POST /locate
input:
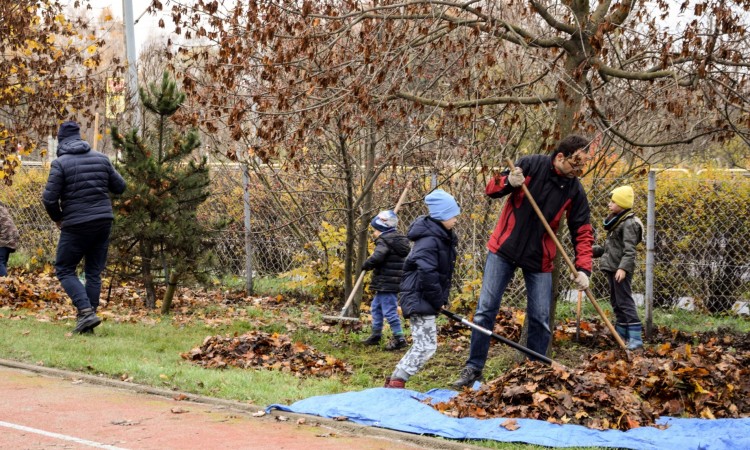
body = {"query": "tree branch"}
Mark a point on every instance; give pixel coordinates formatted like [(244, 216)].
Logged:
[(474, 103), (551, 21)]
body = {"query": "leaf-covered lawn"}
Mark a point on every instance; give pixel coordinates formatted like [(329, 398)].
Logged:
[(703, 374)]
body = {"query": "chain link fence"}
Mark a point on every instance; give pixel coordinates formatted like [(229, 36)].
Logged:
[(700, 249)]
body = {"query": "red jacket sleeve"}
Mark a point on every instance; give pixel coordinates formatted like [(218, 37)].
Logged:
[(581, 231)]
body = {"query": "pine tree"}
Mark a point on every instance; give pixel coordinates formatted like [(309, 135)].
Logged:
[(166, 184)]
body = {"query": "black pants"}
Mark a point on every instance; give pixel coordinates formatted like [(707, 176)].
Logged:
[(621, 298), (89, 242)]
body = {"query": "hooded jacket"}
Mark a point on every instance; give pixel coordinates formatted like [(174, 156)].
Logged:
[(79, 183), (520, 236), (619, 249), (387, 261), (428, 269), (8, 230)]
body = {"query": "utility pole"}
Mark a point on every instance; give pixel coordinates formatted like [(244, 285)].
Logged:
[(127, 12)]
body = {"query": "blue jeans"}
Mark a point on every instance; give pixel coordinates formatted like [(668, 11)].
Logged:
[(82, 243), (385, 304), (498, 273), (4, 256)]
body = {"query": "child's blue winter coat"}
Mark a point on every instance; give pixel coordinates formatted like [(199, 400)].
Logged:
[(428, 268)]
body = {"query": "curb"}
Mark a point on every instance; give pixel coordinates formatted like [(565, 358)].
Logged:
[(421, 441)]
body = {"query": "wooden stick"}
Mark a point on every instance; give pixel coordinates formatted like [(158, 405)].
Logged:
[(402, 197), (569, 263), (352, 294), (578, 316), (96, 130)]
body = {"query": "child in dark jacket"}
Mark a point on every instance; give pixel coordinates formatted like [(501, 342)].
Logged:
[(426, 282), (8, 238), (624, 232), (387, 263)]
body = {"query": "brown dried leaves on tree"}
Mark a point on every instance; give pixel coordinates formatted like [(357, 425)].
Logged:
[(51, 68), (261, 350)]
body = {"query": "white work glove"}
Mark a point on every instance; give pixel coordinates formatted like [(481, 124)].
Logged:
[(515, 177), (581, 280)]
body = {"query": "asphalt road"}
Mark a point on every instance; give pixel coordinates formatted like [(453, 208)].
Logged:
[(45, 408)]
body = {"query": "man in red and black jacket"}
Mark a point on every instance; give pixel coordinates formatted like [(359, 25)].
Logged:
[(520, 240)]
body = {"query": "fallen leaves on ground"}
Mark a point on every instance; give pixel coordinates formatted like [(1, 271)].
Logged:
[(508, 324), (41, 297), (260, 350), (708, 378)]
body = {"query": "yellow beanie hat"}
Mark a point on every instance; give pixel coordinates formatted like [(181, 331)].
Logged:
[(623, 197)]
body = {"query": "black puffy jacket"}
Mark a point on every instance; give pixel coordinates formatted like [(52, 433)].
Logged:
[(387, 261), (428, 269), (79, 183)]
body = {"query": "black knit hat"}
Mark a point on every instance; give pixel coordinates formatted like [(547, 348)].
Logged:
[(68, 130)]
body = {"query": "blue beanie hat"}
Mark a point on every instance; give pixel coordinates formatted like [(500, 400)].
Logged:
[(385, 221), (442, 205), (67, 130)]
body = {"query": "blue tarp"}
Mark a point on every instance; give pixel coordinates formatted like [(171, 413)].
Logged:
[(403, 410)]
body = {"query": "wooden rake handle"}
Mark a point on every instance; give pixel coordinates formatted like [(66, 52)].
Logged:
[(353, 293), (361, 276), (402, 197), (567, 259)]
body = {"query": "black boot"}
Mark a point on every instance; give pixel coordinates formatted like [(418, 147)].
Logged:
[(373, 339), (87, 321), (397, 343), (467, 377)]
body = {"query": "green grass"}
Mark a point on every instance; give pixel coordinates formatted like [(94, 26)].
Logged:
[(261, 285), (19, 259), (150, 354)]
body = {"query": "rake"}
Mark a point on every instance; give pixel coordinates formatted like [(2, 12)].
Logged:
[(567, 259), (342, 317), (506, 341)]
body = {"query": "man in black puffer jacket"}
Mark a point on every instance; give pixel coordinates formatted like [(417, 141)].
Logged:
[(387, 264), (76, 198)]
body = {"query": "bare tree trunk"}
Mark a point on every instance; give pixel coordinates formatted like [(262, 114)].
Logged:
[(571, 96), (166, 303), (366, 203), (147, 255), (349, 245)]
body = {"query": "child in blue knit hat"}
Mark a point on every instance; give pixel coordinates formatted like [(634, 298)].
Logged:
[(387, 263), (426, 282)]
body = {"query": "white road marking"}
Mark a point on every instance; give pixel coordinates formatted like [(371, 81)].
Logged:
[(59, 436)]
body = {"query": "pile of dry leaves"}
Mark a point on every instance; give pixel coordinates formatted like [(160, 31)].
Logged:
[(710, 379), (259, 350), (31, 292), (508, 323)]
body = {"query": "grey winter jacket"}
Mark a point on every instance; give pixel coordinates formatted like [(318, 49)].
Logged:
[(620, 247), (79, 183)]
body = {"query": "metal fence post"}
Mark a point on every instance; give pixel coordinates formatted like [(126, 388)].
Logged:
[(650, 228), (248, 246)]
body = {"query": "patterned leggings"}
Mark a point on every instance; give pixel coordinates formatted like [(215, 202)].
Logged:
[(424, 344)]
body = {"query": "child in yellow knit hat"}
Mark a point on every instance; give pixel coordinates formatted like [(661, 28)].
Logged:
[(624, 232)]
